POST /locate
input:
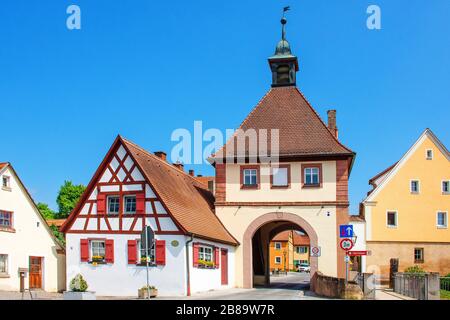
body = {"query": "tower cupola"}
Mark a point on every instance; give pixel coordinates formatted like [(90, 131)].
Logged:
[(283, 64)]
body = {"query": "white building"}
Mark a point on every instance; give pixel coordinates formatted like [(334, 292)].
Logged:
[(26, 242), (132, 188)]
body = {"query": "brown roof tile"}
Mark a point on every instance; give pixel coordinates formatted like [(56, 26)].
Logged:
[(187, 200), (301, 130), (3, 164)]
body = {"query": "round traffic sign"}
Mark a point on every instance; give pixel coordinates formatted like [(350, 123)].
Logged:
[(346, 244)]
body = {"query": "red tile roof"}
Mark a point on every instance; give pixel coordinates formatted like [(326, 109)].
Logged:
[(56, 222), (187, 200), (298, 239), (301, 130), (3, 164)]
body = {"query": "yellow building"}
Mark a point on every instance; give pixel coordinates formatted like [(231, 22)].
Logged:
[(407, 211), (288, 250)]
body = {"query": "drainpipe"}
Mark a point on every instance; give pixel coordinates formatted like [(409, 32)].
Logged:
[(188, 275)]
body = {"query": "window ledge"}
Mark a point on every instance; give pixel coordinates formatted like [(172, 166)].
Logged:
[(244, 187), (5, 229), (4, 275), (280, 187), (311, 186), (392, 227), (445, 193), (7, 189), (442, 227), (144, 265)]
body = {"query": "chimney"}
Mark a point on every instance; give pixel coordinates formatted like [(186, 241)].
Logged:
[(161, 154), (191, 173), (179, 165), (332, 122)]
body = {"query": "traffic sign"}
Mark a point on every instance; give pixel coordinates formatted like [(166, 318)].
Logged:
[(346, 244), (346, 231), (357, 253), (315, 251)]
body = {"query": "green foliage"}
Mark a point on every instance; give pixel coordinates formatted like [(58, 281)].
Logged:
[(206, 263), (78, 284), (415, 269), (59, 235), (68, 196), (445, 295), (149, 287), (46, 212)]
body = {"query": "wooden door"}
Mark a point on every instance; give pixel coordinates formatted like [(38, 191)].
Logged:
[(35, 273), (224, 266)]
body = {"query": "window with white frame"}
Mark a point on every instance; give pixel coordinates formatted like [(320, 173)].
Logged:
[(3, 263), (429, 154), (6, 182), (277, 260), (442, 219), (5, 219), (250, 177), (277, 246), (113, 204), (142, 253), (97, 250), (446, 187), (415, 186), (280, 177), (129, 203), (205, 253), (392, 220), (302, 249), (312, 176)]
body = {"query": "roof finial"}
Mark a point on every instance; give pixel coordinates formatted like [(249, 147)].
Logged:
[(283, 22)]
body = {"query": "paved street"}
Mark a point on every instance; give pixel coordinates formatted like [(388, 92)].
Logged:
[(294, 286)]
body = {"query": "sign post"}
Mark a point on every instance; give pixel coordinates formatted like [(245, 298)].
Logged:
[(346, 245), (147, 237)]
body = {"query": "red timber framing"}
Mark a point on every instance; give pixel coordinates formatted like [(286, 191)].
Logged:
[(115, 181)]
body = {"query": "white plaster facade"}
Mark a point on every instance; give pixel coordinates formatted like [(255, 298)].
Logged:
[(29, 237)]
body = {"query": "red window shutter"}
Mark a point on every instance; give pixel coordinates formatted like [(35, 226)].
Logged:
[(140, 202), (216, 257), (101, 203), (84, 250), (132, 252), (160, 250), (195, 254), (109, 251)]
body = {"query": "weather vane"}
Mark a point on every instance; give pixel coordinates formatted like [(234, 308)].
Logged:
[(283, 22)]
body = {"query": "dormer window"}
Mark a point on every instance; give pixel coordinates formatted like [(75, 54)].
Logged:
[(429, 154)]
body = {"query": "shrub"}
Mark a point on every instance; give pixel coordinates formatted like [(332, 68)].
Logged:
[(415, 269), (150, 287), (78, 284)]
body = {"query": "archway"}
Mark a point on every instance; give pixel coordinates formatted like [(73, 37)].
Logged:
[(267, 226)]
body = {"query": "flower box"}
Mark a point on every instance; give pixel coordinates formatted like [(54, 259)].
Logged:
[(143, 293)]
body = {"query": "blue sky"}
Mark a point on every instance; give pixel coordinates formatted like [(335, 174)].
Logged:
[(145, 68)]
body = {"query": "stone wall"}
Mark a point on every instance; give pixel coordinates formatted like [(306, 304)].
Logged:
[(332, 287)]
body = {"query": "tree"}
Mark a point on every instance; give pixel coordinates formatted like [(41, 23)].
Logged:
[(58, 234), (46, 212), (68, 196)]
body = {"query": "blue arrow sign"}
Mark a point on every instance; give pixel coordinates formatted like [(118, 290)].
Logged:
[(346, 231)]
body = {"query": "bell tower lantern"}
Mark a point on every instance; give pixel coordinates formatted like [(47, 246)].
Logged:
[(283, 64)]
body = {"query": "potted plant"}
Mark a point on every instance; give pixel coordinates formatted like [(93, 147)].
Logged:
[(97, 259), (145, 291), (205, 264), (78, 290)]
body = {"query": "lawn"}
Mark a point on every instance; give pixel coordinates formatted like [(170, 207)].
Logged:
[(445, 295)]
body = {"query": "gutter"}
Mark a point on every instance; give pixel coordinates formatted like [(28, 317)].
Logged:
[(188, 275)]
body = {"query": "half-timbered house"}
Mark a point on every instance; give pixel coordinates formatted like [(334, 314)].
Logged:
[(133, 188)]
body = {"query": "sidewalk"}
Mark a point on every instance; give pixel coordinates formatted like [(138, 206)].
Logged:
[(388, 294)]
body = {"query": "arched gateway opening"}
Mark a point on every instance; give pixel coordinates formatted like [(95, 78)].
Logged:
[(256, 245)]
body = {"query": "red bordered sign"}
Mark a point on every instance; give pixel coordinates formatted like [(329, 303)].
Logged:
[(346, 244)]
